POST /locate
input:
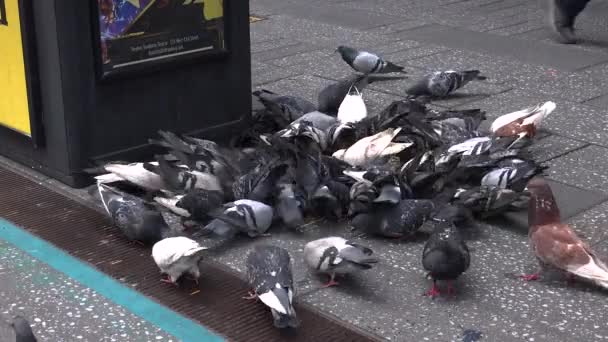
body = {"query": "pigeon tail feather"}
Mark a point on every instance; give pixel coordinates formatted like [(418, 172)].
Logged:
[(391, 67)]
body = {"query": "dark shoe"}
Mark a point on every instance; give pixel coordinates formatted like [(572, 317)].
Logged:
[(566, 35), (562, 21)]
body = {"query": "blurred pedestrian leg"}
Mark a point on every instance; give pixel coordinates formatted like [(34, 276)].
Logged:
[(563, 14)]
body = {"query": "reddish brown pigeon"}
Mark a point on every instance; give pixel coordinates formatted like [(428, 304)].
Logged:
[(556, 244)]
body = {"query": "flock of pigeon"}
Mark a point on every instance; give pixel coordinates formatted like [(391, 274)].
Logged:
[(387, 175)]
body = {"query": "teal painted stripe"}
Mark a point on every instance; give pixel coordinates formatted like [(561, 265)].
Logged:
[(173, 323)]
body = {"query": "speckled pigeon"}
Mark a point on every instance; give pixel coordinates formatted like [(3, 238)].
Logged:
[(445, 256), (269, 274), (443, 83), (136, 220), (367, 62)]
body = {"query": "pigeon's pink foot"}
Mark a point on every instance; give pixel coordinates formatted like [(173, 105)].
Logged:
[(434, 291), (530, 277), (251, 295), (330, 283), (168, 281)]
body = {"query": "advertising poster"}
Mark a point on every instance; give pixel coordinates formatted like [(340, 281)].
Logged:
[(14, 106), (135, 33)]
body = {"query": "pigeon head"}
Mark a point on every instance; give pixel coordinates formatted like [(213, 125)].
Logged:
[(347, 53), (542, 208)]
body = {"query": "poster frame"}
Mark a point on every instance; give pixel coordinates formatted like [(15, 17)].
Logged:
[(155, 66)]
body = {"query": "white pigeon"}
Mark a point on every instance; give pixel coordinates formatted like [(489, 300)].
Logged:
[(352, 109), (133, 173), (522, 122), (177, 255), (369, 148), (335, 255)]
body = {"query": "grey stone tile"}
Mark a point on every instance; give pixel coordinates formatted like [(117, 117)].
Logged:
[(270, 45), (399, 27), (553, 146), (498, 6), (497, 69), (591, 227), (306, 86), (473, 91), (377, 101), (386, 48), (491, 25), (284, 51), (323, 63), (414, 53), (264, 73), (340, 16), (559, 57), (317, 33), (570, 199), (573, 120), (599, 102), (526, 26), (575, 87), (586, 168)]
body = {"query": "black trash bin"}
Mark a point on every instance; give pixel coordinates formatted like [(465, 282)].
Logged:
[(97, 78)]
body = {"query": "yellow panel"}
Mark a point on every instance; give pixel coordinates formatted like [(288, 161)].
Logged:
[(14, 108), (213, 9)]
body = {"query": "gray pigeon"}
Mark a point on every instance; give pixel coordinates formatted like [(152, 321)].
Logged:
[(269, 274), (397, 221), (247, 216), (367, 62), (135, 219), (445, 256), (290, 204), (335, 255), (318, 120), (289, 107), (19, 330), (443, 83)]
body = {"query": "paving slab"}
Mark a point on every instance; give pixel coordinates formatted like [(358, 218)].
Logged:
[(270, 45), (553, 146), (573, 120), (340, 16), (284, 51), (262, 73), (560, 57), (586, 168), (591, 226), (306, 86), (571, 200), (314, 32), (574, 87)]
